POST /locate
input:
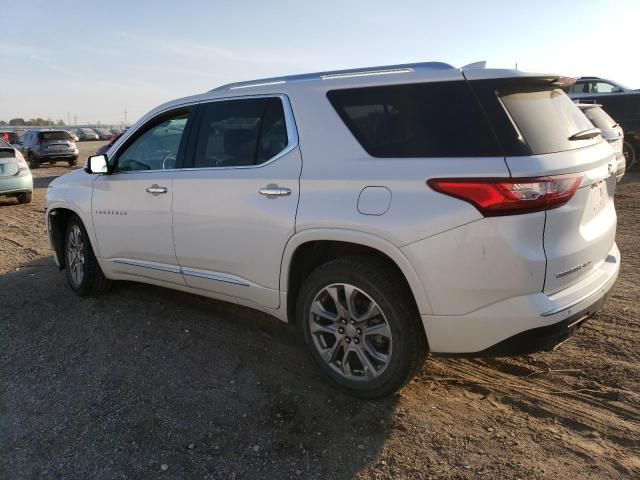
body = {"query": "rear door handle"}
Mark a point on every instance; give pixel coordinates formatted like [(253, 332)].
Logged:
[(274, 191), (156, 190)]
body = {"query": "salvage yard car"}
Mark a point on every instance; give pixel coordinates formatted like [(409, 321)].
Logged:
[(387, 212), (15, 176), (48, 145), (610, 130), (622, 103)]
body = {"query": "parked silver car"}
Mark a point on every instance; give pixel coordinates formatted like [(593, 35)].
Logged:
[(15, 176), (610, 130)]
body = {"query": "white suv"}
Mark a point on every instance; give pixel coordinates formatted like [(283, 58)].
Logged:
[(387, 212)]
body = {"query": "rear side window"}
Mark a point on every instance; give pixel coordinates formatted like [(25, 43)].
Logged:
[(440, 119), (240, 133), (46, 136), (547, 118)]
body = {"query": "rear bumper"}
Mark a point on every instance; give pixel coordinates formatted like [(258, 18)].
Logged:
[(523, 324), (16, 184)]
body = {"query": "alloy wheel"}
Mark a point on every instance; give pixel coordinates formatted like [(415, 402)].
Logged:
[(75, 255), (350, 332)]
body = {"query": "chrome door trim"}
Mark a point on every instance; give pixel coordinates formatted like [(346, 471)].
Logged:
[(153, 266), (218, 277)]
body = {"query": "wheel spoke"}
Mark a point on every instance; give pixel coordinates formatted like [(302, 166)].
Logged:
[(349, 295), (381, 329), (333, 293), (376, 354), (318, 309), (369, 368)]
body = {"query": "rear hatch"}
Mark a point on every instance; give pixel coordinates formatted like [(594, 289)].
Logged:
[(8, 161), (545, 134), (58, 141)]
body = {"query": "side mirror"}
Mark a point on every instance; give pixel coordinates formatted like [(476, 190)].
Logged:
[(97, 164)]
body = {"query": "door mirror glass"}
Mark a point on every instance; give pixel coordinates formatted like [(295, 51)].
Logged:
[(97, 164)]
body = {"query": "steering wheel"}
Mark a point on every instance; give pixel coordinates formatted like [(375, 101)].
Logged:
[(169, 161)]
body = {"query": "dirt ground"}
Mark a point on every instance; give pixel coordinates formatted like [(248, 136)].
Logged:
[(149, 383)]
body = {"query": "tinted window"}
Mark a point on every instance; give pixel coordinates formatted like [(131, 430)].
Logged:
[(439, 119), (46, 136), (594, 86), (157, 148), (241, 133), (547, 118)]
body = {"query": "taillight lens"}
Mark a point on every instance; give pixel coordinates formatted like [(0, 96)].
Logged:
[(510, 196), (22, 164)]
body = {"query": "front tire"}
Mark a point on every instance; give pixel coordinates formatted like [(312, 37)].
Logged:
[(72, 162), (84, 274), (361, 325)]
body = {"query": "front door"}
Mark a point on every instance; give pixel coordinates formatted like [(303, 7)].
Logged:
[(234, 209), (132, 206)]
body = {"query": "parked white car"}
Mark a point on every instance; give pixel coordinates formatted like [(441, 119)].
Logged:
[(610, 131), (387, 212)]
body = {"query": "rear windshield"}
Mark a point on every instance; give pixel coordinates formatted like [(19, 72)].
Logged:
[(599, 118), (547, 118), (440, 119), (54, 136)]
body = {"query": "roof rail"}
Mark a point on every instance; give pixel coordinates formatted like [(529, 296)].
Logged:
[(328, 75), (480, 64)]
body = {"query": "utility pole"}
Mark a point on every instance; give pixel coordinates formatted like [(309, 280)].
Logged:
[(75, 119), (125, 116), (68, 119)]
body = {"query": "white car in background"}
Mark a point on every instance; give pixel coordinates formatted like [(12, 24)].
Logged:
[(610, 130), (387, 212)]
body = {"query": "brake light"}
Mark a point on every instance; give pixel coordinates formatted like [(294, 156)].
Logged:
[(22, 164), (510, 196)]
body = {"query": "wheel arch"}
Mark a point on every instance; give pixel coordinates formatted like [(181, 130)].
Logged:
[(310, 248), (58, 216)]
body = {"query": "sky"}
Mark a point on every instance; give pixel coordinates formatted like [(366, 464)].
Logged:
[(93, 59)]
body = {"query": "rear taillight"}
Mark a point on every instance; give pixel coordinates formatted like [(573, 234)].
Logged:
[(510, 196), (22, 164)]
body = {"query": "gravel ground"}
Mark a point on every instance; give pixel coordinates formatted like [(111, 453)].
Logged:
[(150, 383)]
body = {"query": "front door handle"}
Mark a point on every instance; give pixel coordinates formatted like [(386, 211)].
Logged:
[(273, 191), (156, 190)]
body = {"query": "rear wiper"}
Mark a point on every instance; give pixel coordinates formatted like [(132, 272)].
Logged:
[(585, 134)]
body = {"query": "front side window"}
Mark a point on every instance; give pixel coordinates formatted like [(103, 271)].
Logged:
[(240, 133), (439, 119), (157, 148)]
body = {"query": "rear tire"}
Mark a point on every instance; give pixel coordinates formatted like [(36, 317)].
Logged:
[(24, 197), (629, 155), (33, 161), (84, 274), (370, 358)]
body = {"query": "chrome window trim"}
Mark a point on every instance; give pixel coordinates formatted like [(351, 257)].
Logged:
[(292, 133)]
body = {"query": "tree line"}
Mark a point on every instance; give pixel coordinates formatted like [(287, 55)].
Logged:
[(34, 122)]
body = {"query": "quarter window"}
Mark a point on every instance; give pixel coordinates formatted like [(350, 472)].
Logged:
[(157, 148), (243, 132), (439, 119)]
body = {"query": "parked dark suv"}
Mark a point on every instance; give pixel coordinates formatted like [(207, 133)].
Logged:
[(51, 146)]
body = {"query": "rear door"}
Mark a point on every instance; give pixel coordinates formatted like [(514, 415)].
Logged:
[(234, 209), (552, 137)]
